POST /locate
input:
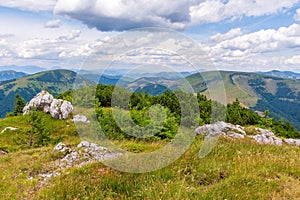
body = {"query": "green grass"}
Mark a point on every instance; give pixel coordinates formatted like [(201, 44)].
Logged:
[(235, 169)]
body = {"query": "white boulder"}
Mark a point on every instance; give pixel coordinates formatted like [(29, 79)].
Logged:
[(44, 101)]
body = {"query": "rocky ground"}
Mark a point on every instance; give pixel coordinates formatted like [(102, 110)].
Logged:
[(261, 136)]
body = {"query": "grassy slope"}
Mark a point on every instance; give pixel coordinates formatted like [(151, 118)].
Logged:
[(235, 169)]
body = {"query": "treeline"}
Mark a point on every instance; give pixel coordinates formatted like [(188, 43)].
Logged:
[(181, 108)]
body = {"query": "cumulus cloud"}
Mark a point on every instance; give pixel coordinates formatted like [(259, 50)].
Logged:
[(263, 40), (295, 60), (226, 36), (48, 48), (33, 5), (122, 15), (297, 15), (53, 24), (217, 10), (261, 49)]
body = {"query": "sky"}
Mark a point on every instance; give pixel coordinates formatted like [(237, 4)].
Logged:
[(239, 35)]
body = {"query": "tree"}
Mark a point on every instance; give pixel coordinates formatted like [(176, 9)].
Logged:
[(19, 105), (38, 135)]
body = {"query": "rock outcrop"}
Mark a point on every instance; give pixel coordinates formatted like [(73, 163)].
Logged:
[(263, 136), (221, 128), (293, 142), (85, 153), (80, 118), (9, 128), (44, 101)]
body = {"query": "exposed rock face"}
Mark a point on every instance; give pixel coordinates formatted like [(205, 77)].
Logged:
[(85, 153), (61, 147), (293, 142), (44, 101), (80, 118), (236, 131), (221, 128), (41, 101), (60, 109), (267, 139), (2, 152), (9, 128)]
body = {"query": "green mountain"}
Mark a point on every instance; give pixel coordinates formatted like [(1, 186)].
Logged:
[(10, 74), (258, 92), (55, 82), (282, 74)]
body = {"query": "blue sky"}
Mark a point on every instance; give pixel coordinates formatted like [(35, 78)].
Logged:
[(237, 35)]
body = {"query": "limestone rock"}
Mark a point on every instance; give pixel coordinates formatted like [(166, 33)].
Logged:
[(61, 147), (8, 128), (220, 128), (60, 109), (267, 139), (295, 142), (44, 101), (235, 135), (80, 118), (41, 101), (2, 152)]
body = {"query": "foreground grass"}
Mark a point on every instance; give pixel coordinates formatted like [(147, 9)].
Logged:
[(236, 169)]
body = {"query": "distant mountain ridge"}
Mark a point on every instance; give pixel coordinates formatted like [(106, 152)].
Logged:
[(282, 74), (28, 69), (55, 82), (10, 74)]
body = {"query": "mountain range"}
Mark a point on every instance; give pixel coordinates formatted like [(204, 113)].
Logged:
[(10, 74), (55, 82), (282, 74), (257, 91)]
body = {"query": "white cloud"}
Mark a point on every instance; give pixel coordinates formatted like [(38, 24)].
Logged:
[(226, 36), (33, 5), (295, 60), (263, 40), (255, 51), (217, 10), (297, 15), (120, 15), (53, 24)]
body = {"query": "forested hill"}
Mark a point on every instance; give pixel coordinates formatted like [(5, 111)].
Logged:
[(56, 81), (258, 92)]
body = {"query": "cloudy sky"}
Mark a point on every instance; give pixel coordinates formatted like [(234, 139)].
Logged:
[(244, 35)]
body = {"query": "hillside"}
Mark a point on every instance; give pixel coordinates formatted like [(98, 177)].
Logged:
[(10, 74), (258, 92), (56, 82), (282, 74)]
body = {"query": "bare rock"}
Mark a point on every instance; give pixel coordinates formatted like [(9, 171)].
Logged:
[(9, 129), (295, 142), (267, 139), (41, 101), (61, 147), (80, 118), (221, 128), (60, 109), (44, 101), (235, 135), (3, 152), (264, 132)]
